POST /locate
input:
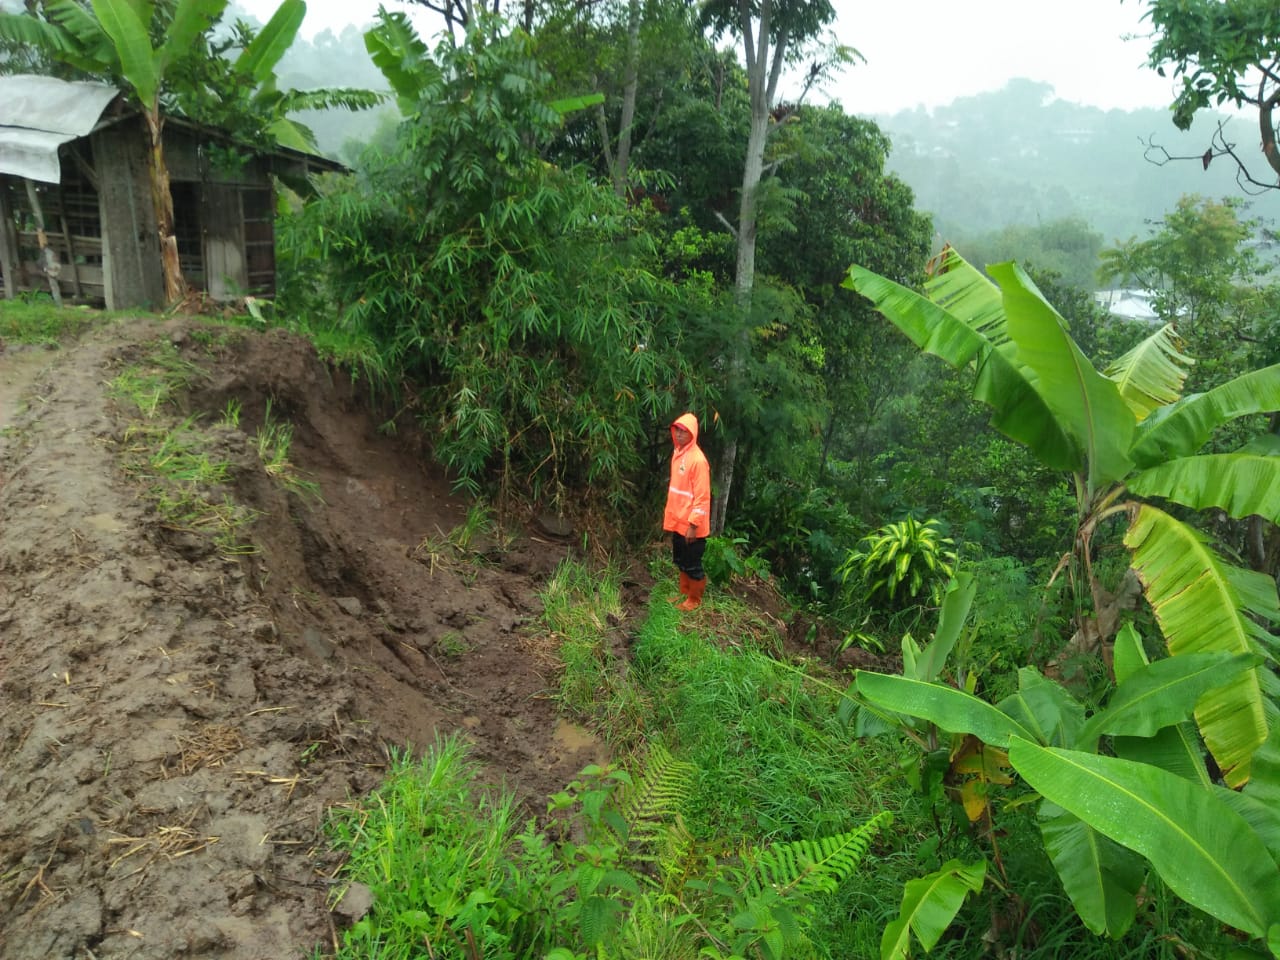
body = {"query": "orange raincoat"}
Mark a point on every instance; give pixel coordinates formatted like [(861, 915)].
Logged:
[(689, 493)]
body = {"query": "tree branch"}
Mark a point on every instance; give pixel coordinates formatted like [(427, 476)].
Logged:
[(1219, 146), (727, 225)]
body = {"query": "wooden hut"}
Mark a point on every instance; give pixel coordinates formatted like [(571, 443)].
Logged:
[(76, 217)]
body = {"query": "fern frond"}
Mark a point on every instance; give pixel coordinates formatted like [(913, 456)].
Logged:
[(654, 801), (804, 867)]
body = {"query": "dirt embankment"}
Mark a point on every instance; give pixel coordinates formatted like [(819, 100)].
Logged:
[(175, 723)]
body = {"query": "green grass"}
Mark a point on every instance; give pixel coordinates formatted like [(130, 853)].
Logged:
[(273, 440), (451, 874), (186, 485), (37, 320), (765, 757), (578, 605), (152, 382)]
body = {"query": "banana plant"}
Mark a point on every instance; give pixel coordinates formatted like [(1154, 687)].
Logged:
[(1125, 434), (1106, 820), (112, 38)]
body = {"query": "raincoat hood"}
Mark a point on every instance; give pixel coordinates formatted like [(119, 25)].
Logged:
[(689, 422)]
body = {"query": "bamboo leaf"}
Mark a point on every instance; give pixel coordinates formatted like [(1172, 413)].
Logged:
[(1199, 611), (1087, 404), (1204, 851)]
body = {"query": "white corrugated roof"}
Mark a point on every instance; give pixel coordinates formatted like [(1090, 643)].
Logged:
[(38, 115)]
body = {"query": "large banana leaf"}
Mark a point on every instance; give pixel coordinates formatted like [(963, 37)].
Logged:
[(1084, 402), (1205, 852), (1264, 785), (1101, 877), (1151, 375), (396, 50), (48, 36), (1176, 749), (1183, 428), (964, 292), (1165, 693), (138, 61), (1046, 708), (1127, 653), (1262, 817), (1239, 483), (953, 710), (955, 610), (259, 58), (929, 904), (290, 133), (191, 18), (1198, 608), (1018, 410)]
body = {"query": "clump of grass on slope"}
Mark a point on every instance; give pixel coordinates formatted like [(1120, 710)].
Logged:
[(776, 762), (578, 606), (37, 320), (447, 866)]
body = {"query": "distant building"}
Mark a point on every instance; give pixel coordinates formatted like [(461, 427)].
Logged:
[(73, 157), (1128, 304)]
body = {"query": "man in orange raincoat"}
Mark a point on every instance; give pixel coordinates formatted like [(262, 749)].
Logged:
[(688, 514)]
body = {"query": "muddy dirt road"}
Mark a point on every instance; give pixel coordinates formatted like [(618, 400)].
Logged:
[(175, 720)]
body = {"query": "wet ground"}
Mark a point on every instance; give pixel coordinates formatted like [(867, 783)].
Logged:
[(175, 720)]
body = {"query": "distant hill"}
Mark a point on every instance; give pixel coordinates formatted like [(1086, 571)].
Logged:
[(1022, 156)]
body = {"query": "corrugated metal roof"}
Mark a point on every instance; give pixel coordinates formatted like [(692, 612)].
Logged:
[(38, 115)]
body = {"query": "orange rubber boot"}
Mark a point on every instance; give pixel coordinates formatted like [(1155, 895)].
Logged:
[(684, 588), (696, 588)]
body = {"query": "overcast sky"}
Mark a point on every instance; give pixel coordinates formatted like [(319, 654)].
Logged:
[(931, 51)]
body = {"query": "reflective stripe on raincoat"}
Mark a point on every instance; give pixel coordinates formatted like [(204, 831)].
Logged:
[(689, 493)]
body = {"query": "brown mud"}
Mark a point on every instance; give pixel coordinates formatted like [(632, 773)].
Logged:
[(175, 723)]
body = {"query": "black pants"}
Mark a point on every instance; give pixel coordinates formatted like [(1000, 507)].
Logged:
[(687, 555)]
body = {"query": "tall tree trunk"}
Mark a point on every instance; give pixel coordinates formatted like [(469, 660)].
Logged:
[(175, 288), (618, 162), (762, 81), (622, 161)]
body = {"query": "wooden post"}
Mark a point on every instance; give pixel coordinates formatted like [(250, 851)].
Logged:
[(51, 266), (68, 244), (8, 244)]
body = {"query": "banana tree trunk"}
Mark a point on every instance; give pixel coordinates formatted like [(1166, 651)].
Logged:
[(175, 287)]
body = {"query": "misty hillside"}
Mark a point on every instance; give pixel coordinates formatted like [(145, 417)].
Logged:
[(1020, 156)]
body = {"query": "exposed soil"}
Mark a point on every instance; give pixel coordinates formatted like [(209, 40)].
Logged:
[(175, 723)]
